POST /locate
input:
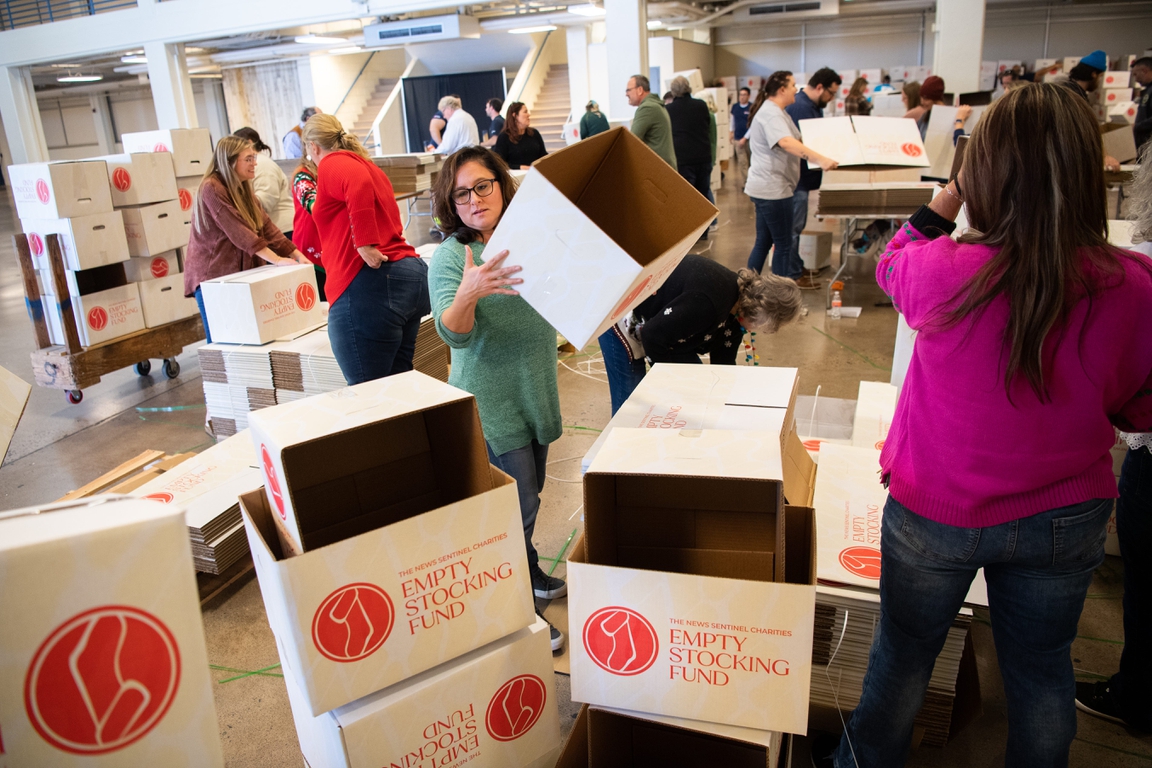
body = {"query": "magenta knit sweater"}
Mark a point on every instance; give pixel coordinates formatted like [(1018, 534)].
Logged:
[(958, 451)]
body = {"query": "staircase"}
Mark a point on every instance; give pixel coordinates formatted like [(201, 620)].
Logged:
[(552, 106), (362, 127)]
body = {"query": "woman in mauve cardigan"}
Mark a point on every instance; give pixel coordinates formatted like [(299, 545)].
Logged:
[(376, 284), (1034, 341)]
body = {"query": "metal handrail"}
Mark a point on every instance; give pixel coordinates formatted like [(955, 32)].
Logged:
[(358, 76), (28, 13)]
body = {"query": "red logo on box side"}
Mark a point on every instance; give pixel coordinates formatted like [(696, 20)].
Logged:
[(159, 267), (911, 150), (879, 445), (185, 199), (305, 296), (42, 191), (163, 497), (862, 561), (97, 318), (121, 179), (102, 680), (35, 244), (516, 707), (160, 147), (353, 622), (632, 297), (273, 481), (620, 641)]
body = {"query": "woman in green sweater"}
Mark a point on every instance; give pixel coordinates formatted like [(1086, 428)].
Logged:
[(503, 352)]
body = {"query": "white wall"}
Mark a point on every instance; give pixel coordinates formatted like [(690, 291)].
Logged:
[(1072, 32), (491, 50), (265, 97)]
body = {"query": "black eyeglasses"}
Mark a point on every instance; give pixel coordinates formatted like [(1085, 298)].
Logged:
[(482, 188)]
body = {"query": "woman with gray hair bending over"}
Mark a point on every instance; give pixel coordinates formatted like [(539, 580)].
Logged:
[(703, 308)]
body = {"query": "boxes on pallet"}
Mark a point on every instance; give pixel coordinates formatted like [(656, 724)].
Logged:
[(1111, 80), (381, 504), (693, 591), (259, 305), (153, 229), (137, 269), (163, 300), (1114, 96), (585, 266), (141, 178), (494, 707), (816, 249), (866, 140), (191, 148), (187, 187), (107, 662), (60, 190), (85, 241), (104, 305)]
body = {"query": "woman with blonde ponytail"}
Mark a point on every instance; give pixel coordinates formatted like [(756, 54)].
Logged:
[(231, 232), (375, 312)]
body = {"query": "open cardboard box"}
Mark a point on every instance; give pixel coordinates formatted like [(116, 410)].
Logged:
[(680, 592), (866, 142), (597, 227)]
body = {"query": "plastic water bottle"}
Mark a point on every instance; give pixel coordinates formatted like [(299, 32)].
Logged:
[(837, 302)]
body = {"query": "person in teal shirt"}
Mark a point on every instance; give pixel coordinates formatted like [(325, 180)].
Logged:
[(593, 121)]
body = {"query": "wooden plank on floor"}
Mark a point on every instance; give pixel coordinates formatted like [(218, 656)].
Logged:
[(116, 475), (210, 585)]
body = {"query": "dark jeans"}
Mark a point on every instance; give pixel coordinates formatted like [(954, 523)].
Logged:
[(799, 220), (774, 228), (528, 466), (624, 373), (1134, 528), (699, 175), (373, 324), (203, 314), (1038, 570)]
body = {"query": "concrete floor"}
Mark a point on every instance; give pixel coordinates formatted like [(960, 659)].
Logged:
[(58, 447)]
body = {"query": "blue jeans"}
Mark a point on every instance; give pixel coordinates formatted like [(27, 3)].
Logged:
[(624, 373), (799, 221), (774, 228), (203, 314), (1038, 570), (528, 466), (1134, 527), (373, 324), (699, 175)]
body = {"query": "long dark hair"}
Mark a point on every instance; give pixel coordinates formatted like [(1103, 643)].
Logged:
[(1034, 190), (512, 122), (252, 136), (448, 218), (770, 88)]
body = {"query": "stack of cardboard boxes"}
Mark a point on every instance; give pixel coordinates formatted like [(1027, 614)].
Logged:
[(410, 173), (391, 559)]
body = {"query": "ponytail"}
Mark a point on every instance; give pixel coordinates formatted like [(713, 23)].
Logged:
[(327, 132)]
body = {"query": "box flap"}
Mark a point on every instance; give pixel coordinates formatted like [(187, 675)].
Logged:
[(799, 471), (873, 141), (746, 454), (763, 387)]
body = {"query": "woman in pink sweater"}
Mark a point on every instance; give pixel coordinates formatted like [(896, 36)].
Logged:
[(1034, 341)]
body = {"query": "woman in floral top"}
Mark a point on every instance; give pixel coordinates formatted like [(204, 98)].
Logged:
[(304, 233)]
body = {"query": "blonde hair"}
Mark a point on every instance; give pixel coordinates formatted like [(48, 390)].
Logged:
[(326, 132), (766, 301), (223, 167)]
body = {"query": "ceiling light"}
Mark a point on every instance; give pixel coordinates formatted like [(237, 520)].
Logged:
[(134, 59), (344, 50), (320, 40), (655, 24), (530, 30), (79, 78), (587, 10)]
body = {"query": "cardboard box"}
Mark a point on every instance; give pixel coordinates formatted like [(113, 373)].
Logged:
[(866, 141), (138, 270), (1042, 64), (1069, 62), (141, 178), (153, 229), (681, 599), (1114, 96), (1119, 141), (1003, 66), (191, 148), (1124, 112), (875, 410), (585, 264), (1110, 80), (261, 305), (164, 302), (85, 241), (873, 76), (731, 83), (100, 316), (106, 664), (60, 190), (751, 82), (816, 249), (495, 706), (85, 281), (695, 79), (187, 187)]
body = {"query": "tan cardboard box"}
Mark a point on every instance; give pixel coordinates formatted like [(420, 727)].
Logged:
[(261, 305), (187, 187), (1111, 80), (137, 269), (191, 148), (682, 601), (494, 707), (584, 264), (100, 316), (141, 178), (85, 241), (866, 141), (1114, 96), (1124, 112), (875, 409), (153, 229), (1119, 141), (106, 664), (60, 190), (163, 300)]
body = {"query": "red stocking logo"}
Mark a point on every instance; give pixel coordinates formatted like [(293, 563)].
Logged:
[(160, 147), (159, 267), (35, 244), (185, 199), (97, 318), (516, 707), (632, 296), (272, 481), (102, 680), (163, 497), (42, 191), (121, 179), (305, 296), (620, 641), (911, 150), (353, 622), (862, 561)]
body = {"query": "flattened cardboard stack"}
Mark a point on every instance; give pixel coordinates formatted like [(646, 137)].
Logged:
[(237, 381), (412, 172), (896, 199), (305, 366), (431, 356)]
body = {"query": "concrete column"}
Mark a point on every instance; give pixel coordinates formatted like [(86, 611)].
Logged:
[(21, 115), (578, 68), (959, 48), (627, 23), (171, 86)]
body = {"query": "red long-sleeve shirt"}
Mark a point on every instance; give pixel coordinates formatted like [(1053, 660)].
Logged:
[(355, 206)]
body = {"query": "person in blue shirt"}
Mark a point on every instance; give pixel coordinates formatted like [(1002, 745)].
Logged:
[(810, 103), (739, 128)]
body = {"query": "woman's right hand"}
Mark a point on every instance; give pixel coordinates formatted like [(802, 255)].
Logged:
[(491, 277), (827, 163)]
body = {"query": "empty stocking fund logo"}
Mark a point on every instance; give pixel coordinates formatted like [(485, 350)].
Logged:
[(185, 199), (515, 708), (160, 147), (35, 244), (121, 179), (862, 561), (305, 296), (159, 267), (911, 150), (42, 191), (620, 641), (163, 497), (97, 318), (273, 481), (102, 680), (353, 622)]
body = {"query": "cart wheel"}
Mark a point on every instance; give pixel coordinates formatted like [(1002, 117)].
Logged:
[(143, 368), (171, 368), (74, 396)]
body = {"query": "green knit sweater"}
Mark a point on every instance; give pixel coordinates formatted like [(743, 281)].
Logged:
[(507, 360), (652, 125)]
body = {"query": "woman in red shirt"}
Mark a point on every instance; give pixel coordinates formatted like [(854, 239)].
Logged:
[(376, 284), (304, 233)]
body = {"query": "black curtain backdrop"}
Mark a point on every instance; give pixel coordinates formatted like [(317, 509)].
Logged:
[(423, 94)]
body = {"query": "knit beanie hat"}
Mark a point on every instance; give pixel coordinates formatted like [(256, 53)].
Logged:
[(932, 89), (1098, 60)]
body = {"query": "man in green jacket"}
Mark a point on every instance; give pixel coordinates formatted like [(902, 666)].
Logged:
[(650, 123)]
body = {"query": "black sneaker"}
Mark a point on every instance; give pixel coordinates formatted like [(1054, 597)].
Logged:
[(821, 748), (547, 587), (556, 636), (1097, 700)]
